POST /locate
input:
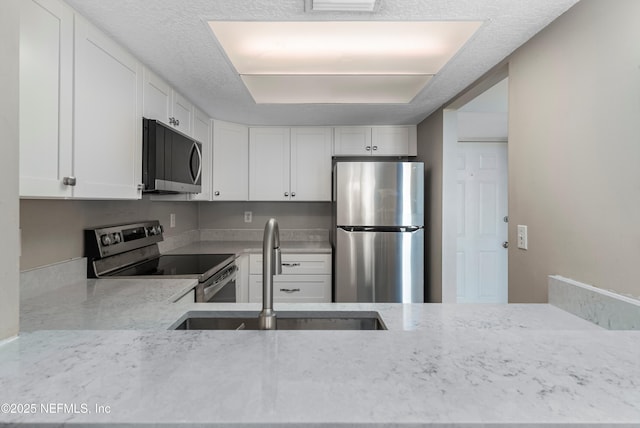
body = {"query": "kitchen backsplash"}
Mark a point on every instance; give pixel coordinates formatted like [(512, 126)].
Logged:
[(52, 230)]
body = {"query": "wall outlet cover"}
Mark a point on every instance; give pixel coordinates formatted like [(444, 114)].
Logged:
[(248, 216), (523, 239)]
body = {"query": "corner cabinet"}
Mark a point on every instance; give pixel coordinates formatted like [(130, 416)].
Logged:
[(305, 278), (290, 164), (230, 172), (375, 141), (107, 117)]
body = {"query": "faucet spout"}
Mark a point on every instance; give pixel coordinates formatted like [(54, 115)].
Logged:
[(271, 265)]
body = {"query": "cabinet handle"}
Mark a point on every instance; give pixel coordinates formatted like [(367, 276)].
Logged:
[(286, 194), (69, 181), (291, 264), (289, 290), (177, 122), (140, 186), (375, 148), (368, 148), (216, 193), (172, 121), (293, 194)]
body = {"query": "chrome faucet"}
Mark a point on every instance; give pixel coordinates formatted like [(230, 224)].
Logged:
[(271, 265)]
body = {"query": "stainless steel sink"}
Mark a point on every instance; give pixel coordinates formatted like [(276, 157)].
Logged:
[(286, 320)]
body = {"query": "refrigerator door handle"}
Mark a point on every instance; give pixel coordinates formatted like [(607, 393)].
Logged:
[(380, 228)]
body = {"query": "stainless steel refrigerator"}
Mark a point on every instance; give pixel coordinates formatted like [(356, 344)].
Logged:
[(379, 236)]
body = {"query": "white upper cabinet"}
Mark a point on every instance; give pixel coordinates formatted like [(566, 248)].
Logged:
[(352, 141), (107, 117), (156, 97), (269, 164), (394, 140), (46, 98), (163, 103), (375, 141), (230, 162), (202, 125), (311, 164), (183, 114), (290, 164)]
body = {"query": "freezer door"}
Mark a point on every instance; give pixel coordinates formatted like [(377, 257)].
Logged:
[(379, 266), (379, 193)]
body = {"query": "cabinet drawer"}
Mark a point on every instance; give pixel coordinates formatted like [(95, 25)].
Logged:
[(295, 264), (293, 288)]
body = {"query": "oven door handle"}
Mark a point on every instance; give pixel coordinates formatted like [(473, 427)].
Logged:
[(211, 290)]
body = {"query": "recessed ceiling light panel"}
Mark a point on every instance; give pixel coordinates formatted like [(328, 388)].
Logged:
[(334, 89), (340, 48)]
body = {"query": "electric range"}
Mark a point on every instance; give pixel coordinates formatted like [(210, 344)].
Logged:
[(131, 251)]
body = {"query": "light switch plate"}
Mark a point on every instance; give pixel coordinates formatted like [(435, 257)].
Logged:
[(172, 220), (248, 216), (523, 240)]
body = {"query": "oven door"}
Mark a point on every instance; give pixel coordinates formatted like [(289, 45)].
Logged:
[(219, 288)]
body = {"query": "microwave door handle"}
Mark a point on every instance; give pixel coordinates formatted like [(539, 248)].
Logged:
[(195, 149)]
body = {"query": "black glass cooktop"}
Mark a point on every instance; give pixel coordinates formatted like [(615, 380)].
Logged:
[(179, 264)]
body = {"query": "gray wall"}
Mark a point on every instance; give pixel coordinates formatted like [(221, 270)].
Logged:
[(430, 143), (574, 124), (52, 230), (9, 79), (290, 215), (574, 151)]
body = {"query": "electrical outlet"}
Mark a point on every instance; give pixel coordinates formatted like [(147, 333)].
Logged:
[(172, 220), (248, 216), (523, 239)]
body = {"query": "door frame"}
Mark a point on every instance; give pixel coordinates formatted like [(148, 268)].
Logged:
[(449, 201)]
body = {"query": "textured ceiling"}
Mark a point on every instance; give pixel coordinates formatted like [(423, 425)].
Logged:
[(172, 38)]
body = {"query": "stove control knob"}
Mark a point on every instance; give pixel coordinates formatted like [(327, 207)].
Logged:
[(106, 240), (116, 238)]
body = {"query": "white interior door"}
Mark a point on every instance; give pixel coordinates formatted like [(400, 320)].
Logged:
[(481, 170)]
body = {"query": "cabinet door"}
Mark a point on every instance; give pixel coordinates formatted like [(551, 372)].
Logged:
[(392, 140), (108, 117), (269, 164), (183, 113), (156, 95), (311, 164), (202, 134), (352, 141), (230, 162), (46, 98)]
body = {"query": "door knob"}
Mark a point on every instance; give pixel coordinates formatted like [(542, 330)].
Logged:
[(505, 244)]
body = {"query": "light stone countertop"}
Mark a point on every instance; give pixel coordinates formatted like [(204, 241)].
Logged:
[(106, 343)]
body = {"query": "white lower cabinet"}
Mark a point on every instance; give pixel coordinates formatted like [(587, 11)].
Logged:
[(305, 278)]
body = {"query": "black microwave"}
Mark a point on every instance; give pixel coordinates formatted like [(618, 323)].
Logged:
[(171, 161)]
